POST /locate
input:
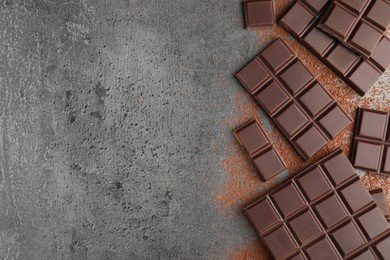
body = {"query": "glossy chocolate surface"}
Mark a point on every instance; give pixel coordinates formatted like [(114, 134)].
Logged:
[(257, 145), (302, 109), (259, 13), (316, 215), (360, 25), (371, 144), (360, 73)]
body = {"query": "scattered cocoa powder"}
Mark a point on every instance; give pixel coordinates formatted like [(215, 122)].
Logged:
[(243, 185)]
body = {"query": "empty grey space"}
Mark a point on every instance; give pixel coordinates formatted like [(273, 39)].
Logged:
[(110, 136)]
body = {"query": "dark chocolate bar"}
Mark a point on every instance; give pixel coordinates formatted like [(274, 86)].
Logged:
[(302, 109), (325, 212), (258, 147), (360, 74), (259, 14), (360, 25), (371, 145), (379, 197)]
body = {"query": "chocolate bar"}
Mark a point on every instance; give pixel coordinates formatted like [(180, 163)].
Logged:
[(258, 147), (371, 145), (324, 212), (259, 14), (360, 74), (379, 197), (360, 25), (302, 109)]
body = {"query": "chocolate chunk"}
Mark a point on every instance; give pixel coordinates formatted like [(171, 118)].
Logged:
[(317, 216), (259, 14), (303, 110), (379, 197), (371, 144), (360, 25), (360, 72), (259, 148)]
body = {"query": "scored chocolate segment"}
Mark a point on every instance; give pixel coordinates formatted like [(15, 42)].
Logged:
[(257, 145), (331, 211), (302, 109), (314, 183), (355, 196), (264, 216), (301, 21), (347, 238), (333, 122), (259, 14), (370, 149), (314, 99), (378, 58), (372, 223), (298, 257), (379, 198), (368, 255), (359, 24), (280, 242), (383, 248), (316, 215), (253, 75), (322, 250), (276, 55), (305, 226)]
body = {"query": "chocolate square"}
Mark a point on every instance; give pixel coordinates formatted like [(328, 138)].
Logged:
[(253, 76), (294, 203), (291, 119), (347, 238), (314, 184), (259, 14), (280, 242)]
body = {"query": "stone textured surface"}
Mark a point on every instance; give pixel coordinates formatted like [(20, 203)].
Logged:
[(113, 128), (108, 132)]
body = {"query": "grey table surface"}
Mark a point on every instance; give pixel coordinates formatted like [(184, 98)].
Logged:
[(106, 130), (110, 127)]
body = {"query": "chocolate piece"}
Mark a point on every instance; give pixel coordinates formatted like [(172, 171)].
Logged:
[(379, 197), (257, 145), (259, 14), (360, 25), (303, 110), (371, 144), (317, 215), (360, 74)]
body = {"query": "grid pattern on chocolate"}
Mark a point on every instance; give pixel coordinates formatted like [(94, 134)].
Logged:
[(360, 25), (318, 216), (371, 144), (258, 147), (259, 14), (301, 21), (302, 109)]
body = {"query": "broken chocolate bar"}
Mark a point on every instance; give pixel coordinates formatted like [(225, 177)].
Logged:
[(257, 145), (302, 109), (360, 25), (325, 212), (360, 74), (371, 145)]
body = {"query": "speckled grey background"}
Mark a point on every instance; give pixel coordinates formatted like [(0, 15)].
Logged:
[(111, 142), (109, 146)]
